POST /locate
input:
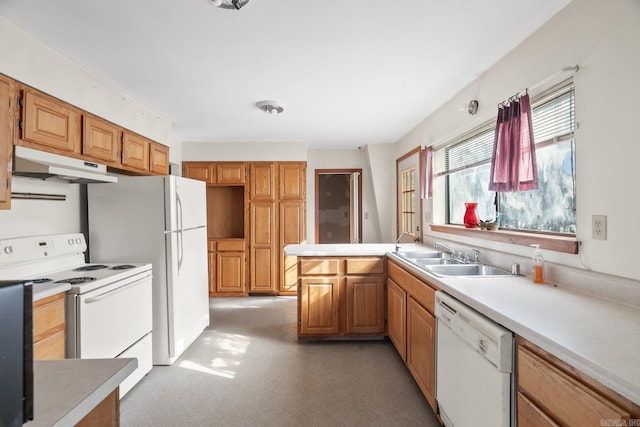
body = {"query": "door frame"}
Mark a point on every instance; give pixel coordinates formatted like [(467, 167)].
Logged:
[(415, 151), (317, 197)]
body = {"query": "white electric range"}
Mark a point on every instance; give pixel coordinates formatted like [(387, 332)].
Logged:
[(109, 306)]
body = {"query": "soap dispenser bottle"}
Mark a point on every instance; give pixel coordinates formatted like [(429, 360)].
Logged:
[(538, 265)]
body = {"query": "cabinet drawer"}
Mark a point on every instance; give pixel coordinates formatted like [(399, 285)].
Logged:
[(422, 292), (230, 245), (48, 316), (52, 347), (365, 265), (560, 396), (310, 266), (529, 415)]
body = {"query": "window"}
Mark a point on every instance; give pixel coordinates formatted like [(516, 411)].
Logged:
[(550, 208), (407, 201)]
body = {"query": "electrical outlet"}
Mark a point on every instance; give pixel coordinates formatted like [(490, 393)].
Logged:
[(599, 227)]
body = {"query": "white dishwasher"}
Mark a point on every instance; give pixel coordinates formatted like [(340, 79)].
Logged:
[(474, 367)]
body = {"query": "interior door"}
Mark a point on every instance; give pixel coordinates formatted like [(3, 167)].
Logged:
[(409, 206), (338, 217)]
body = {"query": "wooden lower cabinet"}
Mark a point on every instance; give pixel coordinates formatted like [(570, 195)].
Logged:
[(552, 393), (421, 348), (397, 317), (49, 327), (341, 296), (319, 306), (411, 326), (227, 266), (365, 304)]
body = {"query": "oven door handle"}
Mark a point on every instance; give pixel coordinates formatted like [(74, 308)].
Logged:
[(116, 291)]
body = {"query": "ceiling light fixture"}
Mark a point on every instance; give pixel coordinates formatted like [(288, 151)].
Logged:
[(228, 4), (270, 107)]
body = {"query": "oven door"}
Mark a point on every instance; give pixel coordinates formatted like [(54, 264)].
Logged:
[(110, 319)]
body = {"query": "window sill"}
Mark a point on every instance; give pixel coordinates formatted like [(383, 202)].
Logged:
[(550, 242)]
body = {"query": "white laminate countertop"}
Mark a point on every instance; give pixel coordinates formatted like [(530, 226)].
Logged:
[(44, 290), (342, 249), (596, 336), (66, 390)]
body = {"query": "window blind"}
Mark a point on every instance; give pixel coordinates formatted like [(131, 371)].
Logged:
[(553, 121)]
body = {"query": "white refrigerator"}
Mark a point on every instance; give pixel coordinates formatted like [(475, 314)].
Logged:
[(160, 220)]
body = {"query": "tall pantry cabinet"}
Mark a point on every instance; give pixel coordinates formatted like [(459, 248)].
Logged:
[(274, 212)]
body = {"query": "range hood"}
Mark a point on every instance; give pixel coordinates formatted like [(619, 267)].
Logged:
[(41, 164)]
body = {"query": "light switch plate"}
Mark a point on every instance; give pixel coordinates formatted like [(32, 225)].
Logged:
[(599, 227)]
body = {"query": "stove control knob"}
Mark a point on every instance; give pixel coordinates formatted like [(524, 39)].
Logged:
[(8, 250), (70, 242), (78, 240)]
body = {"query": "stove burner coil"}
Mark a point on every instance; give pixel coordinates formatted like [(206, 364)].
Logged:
[(76, 280), (122, 267), (90, 267), (42, 280)]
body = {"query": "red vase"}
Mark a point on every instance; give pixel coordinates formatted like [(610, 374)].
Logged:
[(470, 215)]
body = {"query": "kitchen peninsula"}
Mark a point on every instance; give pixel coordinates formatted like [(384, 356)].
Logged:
[(563, 338)]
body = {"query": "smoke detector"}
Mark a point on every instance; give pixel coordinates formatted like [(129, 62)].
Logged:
[(228, 4), (270, 107)]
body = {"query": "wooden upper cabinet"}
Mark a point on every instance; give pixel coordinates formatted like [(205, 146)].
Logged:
[(262, 181), (159, 158), (135, 151), (293, 180), (230, 173), (203, 171), (100, 139), (50, 122), (6, 140)]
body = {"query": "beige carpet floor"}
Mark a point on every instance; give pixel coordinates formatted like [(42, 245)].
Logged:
[(248, 369)]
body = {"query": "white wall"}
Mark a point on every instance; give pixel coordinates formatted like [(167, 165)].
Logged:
[(602, 38), (38, 217), (29, 61), (244, 151)]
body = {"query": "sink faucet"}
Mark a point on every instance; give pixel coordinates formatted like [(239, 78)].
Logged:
[(445, 247), (398, 240), (476, 256)]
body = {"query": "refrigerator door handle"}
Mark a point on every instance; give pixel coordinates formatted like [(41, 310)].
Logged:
[(179, 211), (180, 229)]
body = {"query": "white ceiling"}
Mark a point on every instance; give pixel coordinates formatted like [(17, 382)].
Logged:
[(347, 72)]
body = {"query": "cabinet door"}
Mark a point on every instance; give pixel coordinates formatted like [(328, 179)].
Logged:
[(262, 181), (397, 317), (319, 305), (293, 180), (100, 139), (135, 151), (6, 140), (421, 360), (159, 158), (50, 122), (230, 272), (292, 231), (264, 258), (203, 171), (213, 277), (230, 173), (365, 304)]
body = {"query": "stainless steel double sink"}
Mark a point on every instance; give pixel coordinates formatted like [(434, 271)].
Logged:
[(439, 264)]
